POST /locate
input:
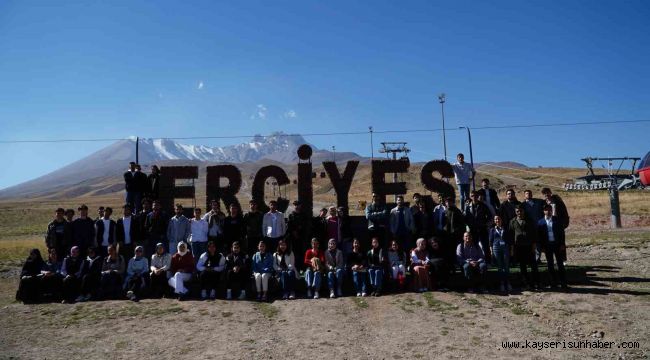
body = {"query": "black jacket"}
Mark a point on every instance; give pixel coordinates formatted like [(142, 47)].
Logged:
[(99, 232), (134, 230), (494, 198), (83, 233)]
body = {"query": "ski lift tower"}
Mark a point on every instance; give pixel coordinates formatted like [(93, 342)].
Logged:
[(614, 175), (395, 148)]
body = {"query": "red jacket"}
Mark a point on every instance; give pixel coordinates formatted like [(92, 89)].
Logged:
[(312, 254), (182, 263)]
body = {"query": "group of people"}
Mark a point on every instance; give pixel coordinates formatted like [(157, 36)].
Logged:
[(413, 247)]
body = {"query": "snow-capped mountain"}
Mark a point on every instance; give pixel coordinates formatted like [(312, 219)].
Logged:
[(278, 146), (107, 165)]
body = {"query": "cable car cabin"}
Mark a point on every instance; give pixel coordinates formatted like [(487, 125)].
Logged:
[(644, 170)]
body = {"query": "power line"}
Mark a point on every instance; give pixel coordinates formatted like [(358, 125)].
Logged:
[(495, 127)]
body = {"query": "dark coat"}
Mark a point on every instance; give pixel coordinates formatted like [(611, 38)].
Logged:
[(494, 198), (153, 186), (83, 233), (134, 230), (558, 232), (477, 217), (524, 234), (99, 232)]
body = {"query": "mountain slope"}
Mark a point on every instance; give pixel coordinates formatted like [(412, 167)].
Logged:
[(91, 172)]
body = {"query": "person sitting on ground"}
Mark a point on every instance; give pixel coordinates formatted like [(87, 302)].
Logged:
[(71, 271), (210, 266), (51, 278), (137, 275), (376, 263), (182, 268), (398, 261), (314, 263), (262, 269), (357, 263), (159, 271), (237, 274), (438, 266), (500, 245), (420, 265), (112, 276), (91, 275), (28, 289), (335, 269), (284, 264), (472, 259)]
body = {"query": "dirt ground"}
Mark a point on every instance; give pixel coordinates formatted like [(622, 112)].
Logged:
[(609, 300)]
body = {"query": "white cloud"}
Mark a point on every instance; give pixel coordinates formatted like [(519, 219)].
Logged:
[(200, 86), (260, 112), (290, 114)]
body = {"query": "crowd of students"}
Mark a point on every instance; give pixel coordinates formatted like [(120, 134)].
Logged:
[(416, 248)]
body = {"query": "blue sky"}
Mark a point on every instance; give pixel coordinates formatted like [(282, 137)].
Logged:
[(111, 69)]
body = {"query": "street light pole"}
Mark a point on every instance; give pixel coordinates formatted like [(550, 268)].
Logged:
[(471, 155), (441, 98), (334, 153), (372, 147)]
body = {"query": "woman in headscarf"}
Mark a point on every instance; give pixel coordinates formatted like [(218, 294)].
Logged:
[(161, 262), (420, 265), (210, 266), (92, 273), (71, 272), (182, 267), (112, 274), (51, 278), (137, 275), (29, 278)]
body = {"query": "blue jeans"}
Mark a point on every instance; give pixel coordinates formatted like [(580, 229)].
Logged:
[(474, 274), (198, 248), (359, 280), (287, 280), (376, 276), (463, 189), (313, 279), (501, 256), (335, 280)]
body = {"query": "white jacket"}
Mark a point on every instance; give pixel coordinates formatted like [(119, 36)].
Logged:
[(289, 259), (273, 229)]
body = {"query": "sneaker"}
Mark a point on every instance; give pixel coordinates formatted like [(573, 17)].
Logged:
[(263, 298), (316, 296), (471, 290), (502, 288), (229, 294), (509, 287), (292, 296), (204, 294), (308, 293), (242, 295), (285, 297), (332, 296), (259, 297), (372, 293), (364, 294), (339, 293), (213, 294), (358, 294), (378, 293), (80, 298)]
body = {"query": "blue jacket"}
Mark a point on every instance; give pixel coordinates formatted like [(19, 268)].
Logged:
[(262, 265), (494, 237), (558, 231)]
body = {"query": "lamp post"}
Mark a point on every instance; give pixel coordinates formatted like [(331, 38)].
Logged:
[(372, 148), (471, 155), (441, 98)]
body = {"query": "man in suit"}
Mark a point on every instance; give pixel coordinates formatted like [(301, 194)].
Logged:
[(83, 231), (131, 186), (490, 197), (401, 224), (559, 210), (550, 232), (477, 217), (126, 233), (377, 215), (507, 210), (105, 232), (534, 212), (523, 233), (153, 183), (454, 229)]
